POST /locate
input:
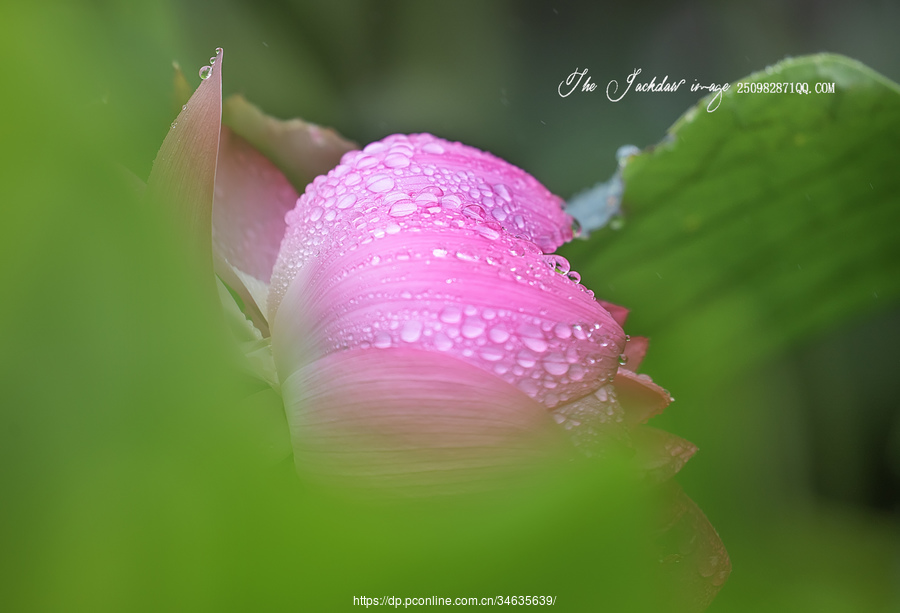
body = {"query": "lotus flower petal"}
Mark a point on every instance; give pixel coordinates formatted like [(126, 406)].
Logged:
[(251, 199), (400, 417), (661, 453), (414, 183), (694, 559), (375, 258), (619, 313), (299, 149), (184, 171), (639, 396), (635, 350)]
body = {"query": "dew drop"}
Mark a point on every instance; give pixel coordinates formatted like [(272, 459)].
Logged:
[(492, 354), (396, 160), (472, 328), (562, 331), (382, 340), (442, 342), (433, 148), (451, 202), (535, 344), (402, 208), (346, 201), (555, 364), (451, 315), (205, 72), (623, 359), (525, 359), (576, 228), (411, 332), (380, 183), (498, 334), (501, 190), (474, 211)]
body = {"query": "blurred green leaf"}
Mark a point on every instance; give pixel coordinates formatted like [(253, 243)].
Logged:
[(767, 220)]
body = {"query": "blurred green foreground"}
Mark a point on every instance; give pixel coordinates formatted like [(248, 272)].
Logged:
[(126, 485)]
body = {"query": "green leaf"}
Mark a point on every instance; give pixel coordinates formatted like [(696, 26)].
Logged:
[(768, 220)]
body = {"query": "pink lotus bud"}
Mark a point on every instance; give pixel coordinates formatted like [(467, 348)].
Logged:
[(426, 338)]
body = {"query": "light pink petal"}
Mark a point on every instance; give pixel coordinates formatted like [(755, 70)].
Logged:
[(639, 396), (184, 172), (412, 419), (635, 350), (695, 563), (413, 183), (619, 313), (251, 199), (301, 150), (660, 453)]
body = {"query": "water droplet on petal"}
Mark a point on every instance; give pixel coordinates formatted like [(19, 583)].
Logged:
[(451, 202), (474, 211), (451, 315), (555, 364), (535, 344), (498, 334), (433, 148), (442, 342), (396, 160), (623, 359), (501, 190), (382, 340), (576, 228), (380, 183), (562, 331), (411, 332), (205, 72), (472, 328), (346, 201), (402, 208), (492, 354)]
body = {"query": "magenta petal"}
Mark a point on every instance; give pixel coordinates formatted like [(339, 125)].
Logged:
[(639, 396), (412, 183), (184, 172), (411, 419), (251, 199), (453, 293), (635, 350)]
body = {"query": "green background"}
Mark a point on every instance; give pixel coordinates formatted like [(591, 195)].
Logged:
[(767, 281)]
